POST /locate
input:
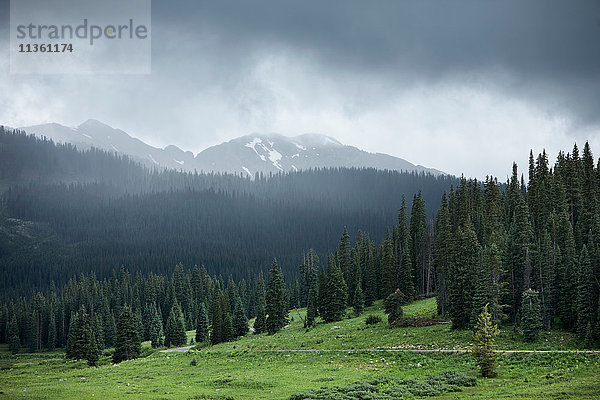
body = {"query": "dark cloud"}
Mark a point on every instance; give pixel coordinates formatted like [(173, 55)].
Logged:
[(549, 49), (222, 68)]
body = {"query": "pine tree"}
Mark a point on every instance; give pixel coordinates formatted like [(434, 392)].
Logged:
[(359, 301), (202, 327), (276, 304), (128, 342), (175, 330), (322, 294), (404, 258), (240, 322), (110, 329), (93, 352), (460, 279), (344, 258), (261, 317), (156, 331), (393, 307), (531, 315), (585, 294), (14, 343), (228, 330), (98, 331), (312, 300), (388, 270), (442, 253), (51, 331), (336, 292), (79, 335), (418, 236), (483, 344), (216, 318)]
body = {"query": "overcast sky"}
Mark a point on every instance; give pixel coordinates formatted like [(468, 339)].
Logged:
[(461, 86)]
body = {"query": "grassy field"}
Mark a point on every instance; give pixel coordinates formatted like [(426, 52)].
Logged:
[(294, 360)]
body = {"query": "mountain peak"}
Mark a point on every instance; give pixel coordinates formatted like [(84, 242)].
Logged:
[(94, 123), (245, 155)]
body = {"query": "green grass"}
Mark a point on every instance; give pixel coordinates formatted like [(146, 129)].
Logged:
[(237, 370)]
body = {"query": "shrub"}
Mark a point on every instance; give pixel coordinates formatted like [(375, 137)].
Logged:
[(372, 319)]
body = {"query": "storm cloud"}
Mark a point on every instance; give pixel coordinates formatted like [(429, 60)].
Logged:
[(461, 86)]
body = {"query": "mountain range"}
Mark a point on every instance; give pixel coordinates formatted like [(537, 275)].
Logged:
[(245, 155)]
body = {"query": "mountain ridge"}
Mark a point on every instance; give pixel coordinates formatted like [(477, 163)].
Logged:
[(245, 155)]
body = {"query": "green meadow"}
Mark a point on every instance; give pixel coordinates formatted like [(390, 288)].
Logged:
[(296, 360)]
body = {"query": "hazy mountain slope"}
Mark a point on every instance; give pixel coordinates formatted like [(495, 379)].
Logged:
[(245, 155)]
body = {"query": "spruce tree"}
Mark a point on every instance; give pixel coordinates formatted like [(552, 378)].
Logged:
[(322, 294), (98, 331), (359, 300), (461, 276), (312, 300), (110, 329), (128, 343), (228, 330), (531, 315), (216, 318), (202, 327), (156, 331), (276, 304), (393, 307), (585, 295), (336, 292), (14, 343), (344, 257), (93, 352), (175, 330), (388, 270), (483, 344), (52, 331), (240, 322), (261, 316), (79, 335)]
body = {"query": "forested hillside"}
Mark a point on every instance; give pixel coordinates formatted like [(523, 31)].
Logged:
[(65, 212), (528, 252)]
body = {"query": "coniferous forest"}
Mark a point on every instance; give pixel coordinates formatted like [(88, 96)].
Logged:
[(525, 250)]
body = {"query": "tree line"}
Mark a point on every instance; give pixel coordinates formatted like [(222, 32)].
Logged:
[(64, 212)]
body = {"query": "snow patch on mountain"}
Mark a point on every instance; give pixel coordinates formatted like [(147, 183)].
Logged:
[(275, 156)]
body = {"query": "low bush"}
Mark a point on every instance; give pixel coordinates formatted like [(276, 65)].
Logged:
[(373, 319)]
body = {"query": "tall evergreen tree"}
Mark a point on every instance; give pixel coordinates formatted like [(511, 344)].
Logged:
[(359, 301), (585, 295), (240, 322), (442, 253), (175, 330), (128, 344), (276, 304), (313, 300), (52, 331), (79, 335), (202, 328), (483, 344), (156, 327), (228, 329), (14, 343), (460, 280), (93, 351), (531, 315), (336, 292), (216, 318), (261, 313)]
